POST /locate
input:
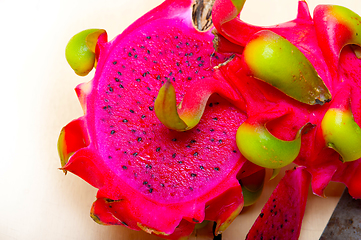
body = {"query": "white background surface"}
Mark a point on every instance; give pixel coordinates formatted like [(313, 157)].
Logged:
[(37, 99)]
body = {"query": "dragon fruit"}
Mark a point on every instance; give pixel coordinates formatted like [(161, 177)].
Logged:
[(172, 129), (149, 177)]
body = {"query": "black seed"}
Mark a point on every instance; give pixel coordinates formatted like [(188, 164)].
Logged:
[(271, 210), (133, 130), (144, 74), (148, 88), (212, 139), (132, 111), (139, 139), (189, 78), (116, 79), (135, 154), (261, 215), (142, 46), (124, 167), (162, 185), (135, 56), (115, 62), (145, 183), (112, 132), (216, 103), (212, 130), (215, 119), (130, 54), (177, 63), (174, 139), (148, 51), (110, 89), (110, 157), (188, 146), (125, 120), (119, 73), (158, 77), (176, 37), (158, 149), (154, 61), (195, 220), (121, 86), (174, 155), (200, 65), (145, 58), (151, 108), (150, 190), (143, 116), (201, 167), (149, 37), (216, 168), (234, 151), (211, 104), (193, 141), (138, 79), (148, 166), (190, 188), (220, 141), (281, 225), (195, 154), (180, 162)]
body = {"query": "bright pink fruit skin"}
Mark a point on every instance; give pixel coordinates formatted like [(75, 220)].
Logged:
[(282, 215), (325, 41), (150, 177)]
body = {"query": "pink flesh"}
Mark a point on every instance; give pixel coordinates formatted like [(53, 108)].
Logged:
[(282, 215)]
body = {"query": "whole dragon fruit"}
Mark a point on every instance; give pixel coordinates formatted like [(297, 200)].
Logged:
[(166, 152)]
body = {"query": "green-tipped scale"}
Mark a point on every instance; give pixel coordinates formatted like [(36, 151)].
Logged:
[(80, 51), (259, 146), (274, 60), (342, 133)]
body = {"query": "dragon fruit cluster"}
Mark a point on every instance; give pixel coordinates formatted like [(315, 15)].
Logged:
[(190, 105)]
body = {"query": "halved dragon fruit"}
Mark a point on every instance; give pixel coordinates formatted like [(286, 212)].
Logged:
[(149, 177), (171, 128)]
